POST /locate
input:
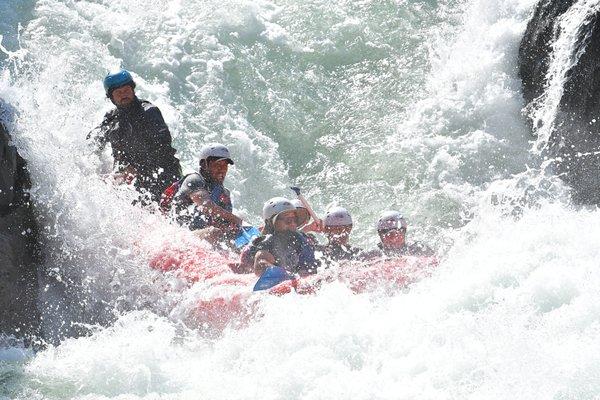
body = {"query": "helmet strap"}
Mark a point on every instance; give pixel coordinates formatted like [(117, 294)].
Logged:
[(269, 227)]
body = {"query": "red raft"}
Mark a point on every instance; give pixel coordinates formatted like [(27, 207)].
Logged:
[(389, 274), (226, 296)]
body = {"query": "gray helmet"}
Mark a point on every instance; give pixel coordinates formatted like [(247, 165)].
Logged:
[(276, 206), (337, 216), (216, 150), (391, 220)]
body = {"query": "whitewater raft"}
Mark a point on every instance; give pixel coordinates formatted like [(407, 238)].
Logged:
[(228, 295)]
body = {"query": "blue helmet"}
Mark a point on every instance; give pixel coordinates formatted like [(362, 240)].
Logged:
[(116, 80)]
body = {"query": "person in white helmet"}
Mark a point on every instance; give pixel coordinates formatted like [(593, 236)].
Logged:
[(282, 245), (202, 203), (391, 227), (337, 227)]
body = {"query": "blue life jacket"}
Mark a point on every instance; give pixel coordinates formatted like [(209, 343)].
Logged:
[(220, 197), (190, 215)]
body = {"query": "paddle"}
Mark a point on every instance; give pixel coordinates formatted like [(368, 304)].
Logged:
[(247, 233), (305, 203), (272, 276)]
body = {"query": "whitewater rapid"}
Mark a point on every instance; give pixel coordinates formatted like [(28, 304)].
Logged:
[(413, 105)]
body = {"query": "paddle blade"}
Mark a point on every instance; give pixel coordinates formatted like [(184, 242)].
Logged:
[(272, 276), (247, 233)]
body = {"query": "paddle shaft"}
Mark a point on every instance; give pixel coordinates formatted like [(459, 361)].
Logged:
[(308, 207)]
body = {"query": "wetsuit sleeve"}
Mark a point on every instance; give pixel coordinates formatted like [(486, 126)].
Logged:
[(158, 130), (362, 254), (157, 126), (191, 184), (98, 136), (248, 254), (312, 240), (247, 259)]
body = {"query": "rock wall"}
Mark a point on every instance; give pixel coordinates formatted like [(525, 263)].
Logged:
[(575, 137), (19, 249)]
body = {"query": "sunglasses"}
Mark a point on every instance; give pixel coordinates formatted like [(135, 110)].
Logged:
[(388, 231), (287, 219)]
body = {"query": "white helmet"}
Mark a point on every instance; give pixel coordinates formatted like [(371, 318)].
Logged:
[(215, 150), (338, 216), (276, 206), (297, 203), (391, 220)]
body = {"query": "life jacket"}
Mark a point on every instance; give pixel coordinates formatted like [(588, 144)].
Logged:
[(413, 249), (220, 198), (185, 212), (337, 252), (166, 198), (217, 195), (307, 264)]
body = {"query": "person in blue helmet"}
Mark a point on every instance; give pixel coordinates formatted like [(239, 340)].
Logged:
[(282, 245), (139, 138), (202, 203)]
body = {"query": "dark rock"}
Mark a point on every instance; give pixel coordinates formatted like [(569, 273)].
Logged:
[(575, 137), (19, 249), (536, 46)]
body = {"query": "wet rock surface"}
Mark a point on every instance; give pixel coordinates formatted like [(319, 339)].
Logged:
[(19, 249), (575, 135)]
